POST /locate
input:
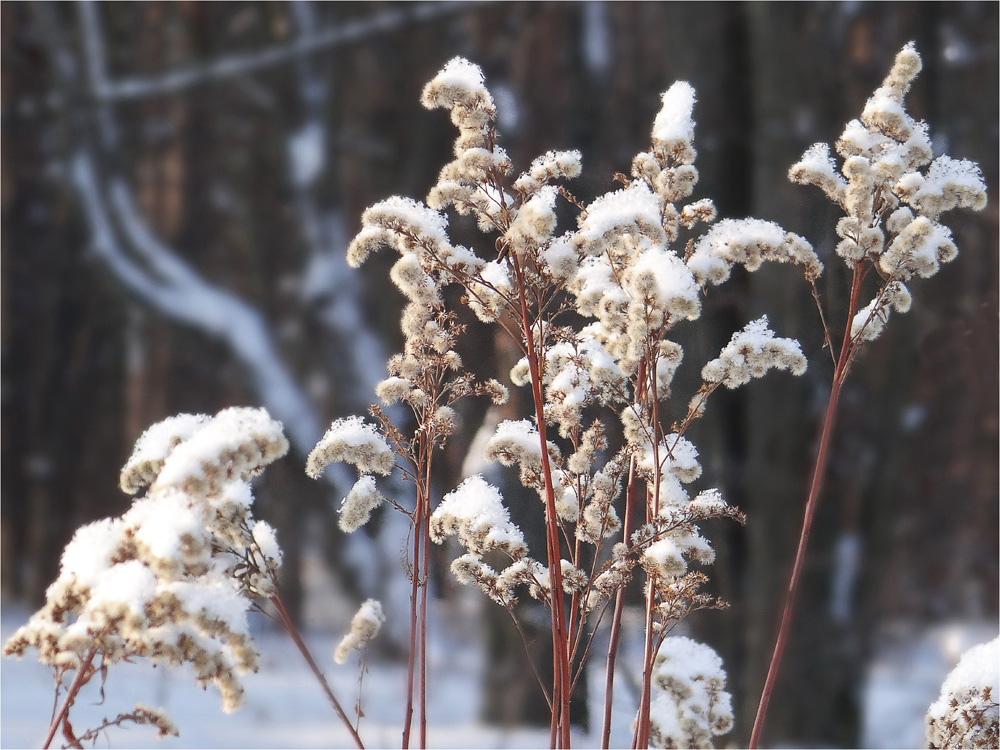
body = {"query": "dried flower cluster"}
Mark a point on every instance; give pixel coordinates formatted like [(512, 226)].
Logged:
[(691, 703), (636, 266), (890, 233), (365, 624), (172, 579), (967, 713), (892, 206)]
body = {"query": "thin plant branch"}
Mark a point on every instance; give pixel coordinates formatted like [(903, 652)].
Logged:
[(289, 626)]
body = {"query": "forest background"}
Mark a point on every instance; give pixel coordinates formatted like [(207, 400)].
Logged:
[(180, 181)]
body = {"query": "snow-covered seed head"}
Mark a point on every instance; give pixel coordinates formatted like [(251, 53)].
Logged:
[(153, 447), (475, 513), (748, 242), (459, 83), (690, 704), (884, 111), (631, 211), (236, 443), (172, 579), (948, 184), (918, 249), (552, 165), (357, 507), (516, 441), (673, 128), (966, 713), (406, 225), (392, 389), (752, 352), (816, 167), (351, 441), (364, 627), (664, 558)]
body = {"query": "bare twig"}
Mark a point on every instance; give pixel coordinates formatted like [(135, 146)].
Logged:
[(82, 675), (286, 621), (843, 365)]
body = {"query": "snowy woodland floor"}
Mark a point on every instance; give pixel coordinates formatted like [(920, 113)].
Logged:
[(285, 709)]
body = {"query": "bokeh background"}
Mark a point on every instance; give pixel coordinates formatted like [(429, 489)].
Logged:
[(180, 181)]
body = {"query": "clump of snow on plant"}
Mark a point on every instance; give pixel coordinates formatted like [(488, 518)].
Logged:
[(173, 578), (476, 514), (351, 441), (751, 353), (967, 713), (691, 705), (364, 627), (893, 193)]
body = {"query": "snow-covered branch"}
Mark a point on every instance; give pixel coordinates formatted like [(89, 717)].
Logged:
[(163, 282), (351, 32)]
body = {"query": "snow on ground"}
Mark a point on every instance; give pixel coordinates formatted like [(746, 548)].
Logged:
[(905, 677), (284, 707)]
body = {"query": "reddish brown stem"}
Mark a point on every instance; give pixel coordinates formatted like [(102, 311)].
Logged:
[(303, 649), (79, 680), (652, 511), (560, 647), (414, 599), (423, 611), (847, 352), (641, 739), (616, 622)]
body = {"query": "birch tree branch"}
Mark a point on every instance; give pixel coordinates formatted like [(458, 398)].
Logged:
[(351, 32)]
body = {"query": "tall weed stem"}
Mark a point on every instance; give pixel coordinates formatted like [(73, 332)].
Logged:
[(847, 350), (289, 626)]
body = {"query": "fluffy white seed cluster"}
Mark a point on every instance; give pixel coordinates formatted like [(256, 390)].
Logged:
[(615, 574), (967, 713), (365, 624), (552, 165), (350, 440), (668, 556), (748, 242), (752, 352), (466, 183), (673, 128), (578, 372), (599, 519), (475, 513), (153, 447), (892, 204), (870, 320), (691, 704), (172, 579), (517, 442), (357, 507)]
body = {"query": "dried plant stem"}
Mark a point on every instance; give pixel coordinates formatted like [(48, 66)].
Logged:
[(426, 538), (847, 350), (616, 622), (642, 725), (82, 675), (286, 621), (560, 639), (411, 664), (652, 511)]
